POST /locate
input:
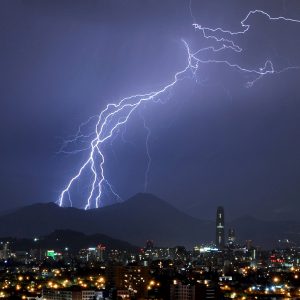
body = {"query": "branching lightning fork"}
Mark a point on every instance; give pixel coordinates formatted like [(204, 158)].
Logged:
[(109, 121)]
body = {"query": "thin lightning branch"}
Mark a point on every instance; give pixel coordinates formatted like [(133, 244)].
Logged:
[(149, 160), (209, 33), (191, 11), (245, 25), (78, 137), (112, 190), (114, 115)]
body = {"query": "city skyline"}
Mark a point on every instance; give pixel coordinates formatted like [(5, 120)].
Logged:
[(71, 265)]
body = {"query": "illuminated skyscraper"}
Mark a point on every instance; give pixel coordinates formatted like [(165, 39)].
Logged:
[(231, 236), (220, 232)]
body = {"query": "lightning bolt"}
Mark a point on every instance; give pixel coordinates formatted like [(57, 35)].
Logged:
[(149, 159), (114, 115)]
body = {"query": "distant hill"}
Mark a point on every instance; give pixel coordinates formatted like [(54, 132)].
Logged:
[(141, 217), (72, 240), (266, 233)]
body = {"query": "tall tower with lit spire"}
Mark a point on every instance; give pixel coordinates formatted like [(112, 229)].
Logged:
[(220, 231)]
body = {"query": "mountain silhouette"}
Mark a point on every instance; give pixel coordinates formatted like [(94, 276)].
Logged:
[(136, 220)]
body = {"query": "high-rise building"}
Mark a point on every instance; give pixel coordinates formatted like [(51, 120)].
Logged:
[(180, 291), (101, 252), (73, 293), (220, 232), (5, 252), (231, 236), (149, 245), (134, 279)]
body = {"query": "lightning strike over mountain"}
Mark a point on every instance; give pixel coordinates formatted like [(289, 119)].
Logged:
[(114, 115)]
